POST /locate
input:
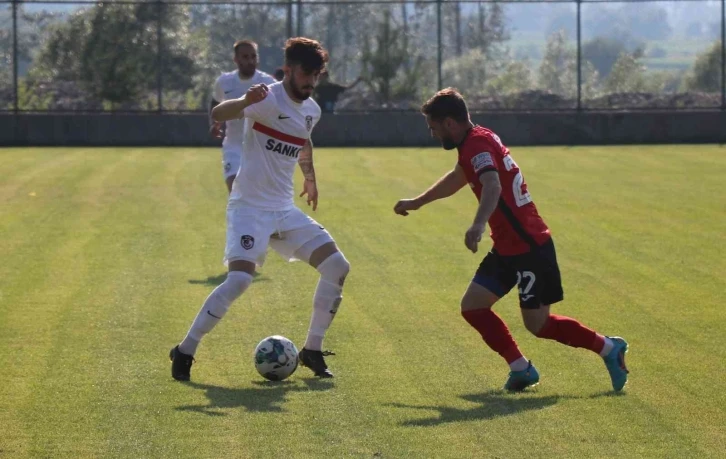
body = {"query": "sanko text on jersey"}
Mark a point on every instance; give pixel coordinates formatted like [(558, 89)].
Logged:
[(282, 148)]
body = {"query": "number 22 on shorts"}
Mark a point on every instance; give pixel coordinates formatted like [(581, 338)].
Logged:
[(524, 290)]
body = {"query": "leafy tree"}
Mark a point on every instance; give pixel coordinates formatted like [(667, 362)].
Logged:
[(706, 72), (111, 51), (6, 68), (341, 28), (475, 75), (487, 29), (603, 52), (475, 54), (391, 67), (558, 70), (627, 75), (468, 73), (512, 77), (30, 29)]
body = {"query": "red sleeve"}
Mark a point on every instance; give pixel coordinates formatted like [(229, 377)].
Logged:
[(480, 156)]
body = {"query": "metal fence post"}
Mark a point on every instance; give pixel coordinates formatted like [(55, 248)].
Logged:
[(439, 41), (289, 18), (723, 54), (15, 56), (299, 19), (579, 55), (159, 63)]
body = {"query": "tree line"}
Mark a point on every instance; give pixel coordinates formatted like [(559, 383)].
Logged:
[(111, 56)]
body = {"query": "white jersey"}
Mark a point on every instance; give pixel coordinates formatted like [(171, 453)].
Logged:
[(230, 86), (277, 129)]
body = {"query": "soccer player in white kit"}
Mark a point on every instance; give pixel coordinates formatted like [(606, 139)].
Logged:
[(261, 211), (233, 85)]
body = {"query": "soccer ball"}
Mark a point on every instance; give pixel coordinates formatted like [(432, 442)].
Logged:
[(276, 358)]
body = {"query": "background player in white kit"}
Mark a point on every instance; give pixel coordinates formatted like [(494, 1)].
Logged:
[(233, 85), (261, 210)]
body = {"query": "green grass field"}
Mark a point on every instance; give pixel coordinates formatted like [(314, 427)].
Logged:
[(107, 254)]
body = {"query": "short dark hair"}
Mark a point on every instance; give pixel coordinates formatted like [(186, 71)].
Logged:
[(307, 53), (279, 73), (447, 103), (245, 42)]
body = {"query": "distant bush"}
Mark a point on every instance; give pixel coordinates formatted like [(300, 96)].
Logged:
[(706, 72)]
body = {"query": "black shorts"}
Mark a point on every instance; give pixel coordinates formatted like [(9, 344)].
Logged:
[(536, 272)]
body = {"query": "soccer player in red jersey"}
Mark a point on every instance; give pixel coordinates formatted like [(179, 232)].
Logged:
[(523, 253)]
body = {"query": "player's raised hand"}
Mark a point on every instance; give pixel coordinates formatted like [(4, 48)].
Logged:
[(404, 205), (311, 189), (257, 93), (217, 130), (473, 237)]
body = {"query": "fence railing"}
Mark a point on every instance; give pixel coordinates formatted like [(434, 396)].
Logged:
[(163, 56)]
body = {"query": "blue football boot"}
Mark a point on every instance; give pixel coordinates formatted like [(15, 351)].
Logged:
[(615, 363), (520, 380)]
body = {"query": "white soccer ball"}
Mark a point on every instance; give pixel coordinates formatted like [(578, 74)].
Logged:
[(276, 358)]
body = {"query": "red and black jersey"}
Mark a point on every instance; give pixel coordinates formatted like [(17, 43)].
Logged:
[(515, 225)]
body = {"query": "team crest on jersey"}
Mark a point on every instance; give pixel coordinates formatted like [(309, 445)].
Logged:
[(482, 160), (309, 122), (247, 242), (227, 167)]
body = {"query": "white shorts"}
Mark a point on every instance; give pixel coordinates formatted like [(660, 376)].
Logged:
[(230, 161), (250, 231)]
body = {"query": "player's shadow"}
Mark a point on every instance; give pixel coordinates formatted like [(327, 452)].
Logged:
[(268, 396), (608, 393), (214, 281), (489, 405)]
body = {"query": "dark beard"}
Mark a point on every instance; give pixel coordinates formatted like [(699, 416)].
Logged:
[(298, 95), (448, 144), (247, 75), (296, 92)]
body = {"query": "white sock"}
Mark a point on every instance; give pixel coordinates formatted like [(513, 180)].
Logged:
[(520, 364), (314, 342), (214, 308), (607, 347), (325, 304), (326, 301)]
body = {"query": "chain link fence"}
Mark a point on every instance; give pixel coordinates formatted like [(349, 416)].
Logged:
[(163, 56)]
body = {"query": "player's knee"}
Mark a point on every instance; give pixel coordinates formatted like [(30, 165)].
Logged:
[(467, 304), (227, 292), (335, 268), (532, 327), (534, 323), (235, 284), (472, 301)]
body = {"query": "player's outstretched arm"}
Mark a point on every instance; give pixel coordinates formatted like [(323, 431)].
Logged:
[(491, 190), (216, 129), (446, 186), (310, 187), (234, 108)]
